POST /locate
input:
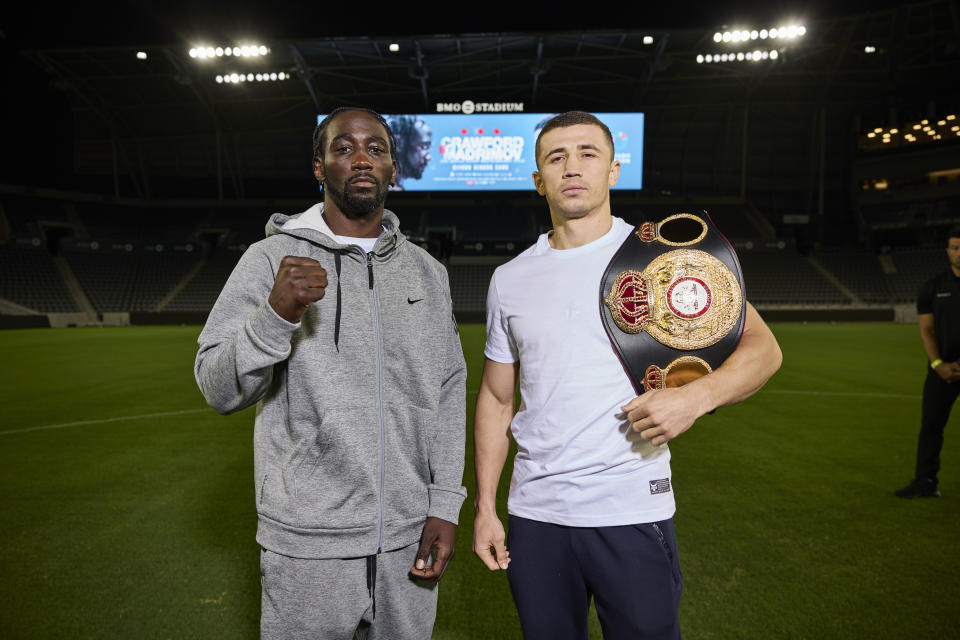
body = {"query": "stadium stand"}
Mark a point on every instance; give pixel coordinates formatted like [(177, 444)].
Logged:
[(859, 270), (785, 277), (201, 292), (130, 258), (30, 278), (128, 281), (468, 286), (914, 265)]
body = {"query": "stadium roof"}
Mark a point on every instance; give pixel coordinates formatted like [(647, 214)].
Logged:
[(162, 114)]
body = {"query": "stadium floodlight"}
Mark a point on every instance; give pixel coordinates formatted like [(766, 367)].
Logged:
[(754, 34), (717, 37), (774, 33), (700, 58), (871, 135), (726, 36), (744, 35), (869, 49), (940, 123), (951, 117), (263, 50), (647, 39), (193, 52), (740, 56), (219, 79), (709, 58), (894, 130), (924, 122), (774, 55), (394, 47), (801, 31), (141, 55), (763, 34)]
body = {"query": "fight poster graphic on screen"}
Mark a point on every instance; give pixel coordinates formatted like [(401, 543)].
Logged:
[(493, 152)]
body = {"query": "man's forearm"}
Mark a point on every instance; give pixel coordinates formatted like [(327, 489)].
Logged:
[(930, 347), (756, 358), (491, 445)]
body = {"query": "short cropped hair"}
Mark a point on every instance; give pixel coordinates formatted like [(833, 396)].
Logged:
[(953, 233), (569, 119), (320, 133)]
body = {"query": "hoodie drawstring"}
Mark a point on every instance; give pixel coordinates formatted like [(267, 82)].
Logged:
[(337, 253), (372, 581), (336, 325)]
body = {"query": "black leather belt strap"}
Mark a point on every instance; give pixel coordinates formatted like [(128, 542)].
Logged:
[(672, 301)]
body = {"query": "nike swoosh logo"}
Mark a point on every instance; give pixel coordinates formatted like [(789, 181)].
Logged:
[(411, 300)]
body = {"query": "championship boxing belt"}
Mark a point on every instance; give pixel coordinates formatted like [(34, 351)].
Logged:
[(672, 301)]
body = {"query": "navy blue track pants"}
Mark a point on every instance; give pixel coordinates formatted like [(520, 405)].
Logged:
[(632, 572)]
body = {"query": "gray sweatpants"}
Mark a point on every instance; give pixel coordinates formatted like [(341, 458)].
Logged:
[(330, 599)]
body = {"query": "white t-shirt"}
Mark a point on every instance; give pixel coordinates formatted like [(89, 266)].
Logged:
[(574, 464), (312, 218)]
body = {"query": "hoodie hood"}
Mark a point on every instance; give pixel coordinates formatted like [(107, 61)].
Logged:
[(388, 241)]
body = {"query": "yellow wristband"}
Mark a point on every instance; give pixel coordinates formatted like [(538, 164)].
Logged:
[(936, 363)]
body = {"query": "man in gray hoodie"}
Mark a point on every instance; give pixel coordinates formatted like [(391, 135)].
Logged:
[(342, 333)]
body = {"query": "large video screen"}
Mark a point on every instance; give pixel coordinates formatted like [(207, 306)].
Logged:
[(493, 152)]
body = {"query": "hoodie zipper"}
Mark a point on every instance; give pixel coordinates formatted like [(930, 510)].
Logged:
[(375, 311)]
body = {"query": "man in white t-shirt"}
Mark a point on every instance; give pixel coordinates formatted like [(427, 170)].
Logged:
[(591, 500)]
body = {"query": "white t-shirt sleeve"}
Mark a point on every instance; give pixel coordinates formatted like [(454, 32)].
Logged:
[(500, 346)]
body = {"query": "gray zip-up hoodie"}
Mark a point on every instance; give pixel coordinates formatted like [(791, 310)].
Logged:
[(359, 430)]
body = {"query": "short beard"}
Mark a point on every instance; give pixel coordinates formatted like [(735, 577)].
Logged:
[(355, 206)]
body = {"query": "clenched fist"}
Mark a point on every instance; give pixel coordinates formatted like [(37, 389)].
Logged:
[(299, 282)]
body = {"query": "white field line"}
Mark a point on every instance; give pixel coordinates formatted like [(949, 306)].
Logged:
[(81, 423)]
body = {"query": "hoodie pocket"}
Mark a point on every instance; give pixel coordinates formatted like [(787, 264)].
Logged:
[(408, 437), (329, 479)]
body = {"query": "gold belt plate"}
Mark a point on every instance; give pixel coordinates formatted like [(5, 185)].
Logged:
[(686, 299)]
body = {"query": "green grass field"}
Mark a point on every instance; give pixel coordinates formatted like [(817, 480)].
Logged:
[(127, 506)]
